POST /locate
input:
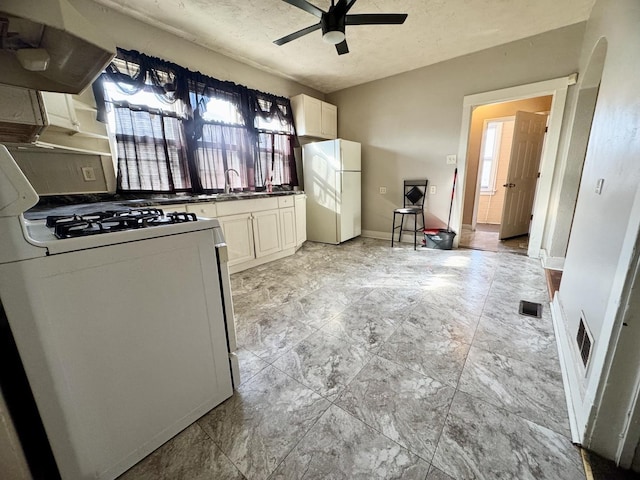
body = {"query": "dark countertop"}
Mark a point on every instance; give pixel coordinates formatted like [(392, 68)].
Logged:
[(84, 204)]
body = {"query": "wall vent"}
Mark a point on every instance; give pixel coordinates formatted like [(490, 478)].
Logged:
[(585, 340)]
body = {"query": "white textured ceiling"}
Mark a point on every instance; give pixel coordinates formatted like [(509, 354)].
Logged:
[(435, 30)]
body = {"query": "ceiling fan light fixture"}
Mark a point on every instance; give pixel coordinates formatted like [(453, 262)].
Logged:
[(333, 37)]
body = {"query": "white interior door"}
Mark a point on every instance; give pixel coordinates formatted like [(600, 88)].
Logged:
[(526, 149)]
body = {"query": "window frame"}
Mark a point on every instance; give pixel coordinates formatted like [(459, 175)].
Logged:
[(494, 161)]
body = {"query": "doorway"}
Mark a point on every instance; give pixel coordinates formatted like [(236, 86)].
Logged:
[(557, 88), (493, 217)]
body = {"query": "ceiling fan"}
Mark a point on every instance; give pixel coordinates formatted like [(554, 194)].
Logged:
[(333, 22)]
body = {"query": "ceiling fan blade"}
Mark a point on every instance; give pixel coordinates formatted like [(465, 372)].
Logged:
[(306, 6), (342, 6), (342, 47), (298, 34), (349, 5), (376, 19)]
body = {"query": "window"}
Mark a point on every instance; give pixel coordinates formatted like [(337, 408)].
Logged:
[(276, 141), (178, 130), (490, 156), (150, 142), (221, 140)]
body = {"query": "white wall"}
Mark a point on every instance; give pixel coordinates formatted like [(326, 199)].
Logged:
[(408, 123), (605, 227)]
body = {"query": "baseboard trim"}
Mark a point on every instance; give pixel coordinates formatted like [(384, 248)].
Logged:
[(569, 378), (239, 267), (551, 263), (406, 238)]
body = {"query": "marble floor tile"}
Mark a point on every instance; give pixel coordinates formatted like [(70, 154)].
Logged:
[(517, 338), (529, 391), (320, 306), (363, 324), (272, 334), (458, 296), (393, 302), (405, 406), (435, 474), (323, 363), (506, 310), (340, 446), (250, 365), (482, 442), (263, 421), (190, 454), (528, 292), (426, 353), (441, 319)]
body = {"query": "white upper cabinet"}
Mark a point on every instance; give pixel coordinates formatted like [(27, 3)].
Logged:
[(329, 119), (314, 118), (52, 120), (60, 110)]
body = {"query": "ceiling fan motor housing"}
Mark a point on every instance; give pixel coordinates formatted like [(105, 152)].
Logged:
[(332, 27)]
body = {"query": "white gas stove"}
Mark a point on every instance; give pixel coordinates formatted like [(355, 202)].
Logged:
[(123, 321)]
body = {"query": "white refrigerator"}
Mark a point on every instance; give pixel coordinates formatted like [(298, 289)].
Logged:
[(332, 182)]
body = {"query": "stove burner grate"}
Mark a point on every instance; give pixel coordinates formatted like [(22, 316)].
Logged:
[(70, 226)]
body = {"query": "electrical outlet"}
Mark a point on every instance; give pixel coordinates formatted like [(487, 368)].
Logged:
[(89, 174), (451, 159), (383, 190), (432, 189)]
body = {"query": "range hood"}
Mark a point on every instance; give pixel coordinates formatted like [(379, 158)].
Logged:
[(48, 45)]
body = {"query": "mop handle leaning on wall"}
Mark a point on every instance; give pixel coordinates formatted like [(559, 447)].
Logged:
[(453, 190)]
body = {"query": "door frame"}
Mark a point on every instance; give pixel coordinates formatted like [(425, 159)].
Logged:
[(557, 88)]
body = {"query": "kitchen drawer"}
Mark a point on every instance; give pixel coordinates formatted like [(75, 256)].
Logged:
[(235, 207), (287, 201), (207, 210)]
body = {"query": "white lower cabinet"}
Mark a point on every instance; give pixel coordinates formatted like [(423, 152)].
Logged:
[(266, 232), (259, 230), (238, 234), (288, 227)]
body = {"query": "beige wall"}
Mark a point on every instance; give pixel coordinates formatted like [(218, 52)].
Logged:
[(408, 123), (490, 206), (132, 34), (480, 114)]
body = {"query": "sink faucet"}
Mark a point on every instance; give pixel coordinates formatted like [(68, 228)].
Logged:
[(227, 181)]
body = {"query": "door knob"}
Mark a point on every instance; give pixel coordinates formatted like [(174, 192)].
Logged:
[(509, 185)]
